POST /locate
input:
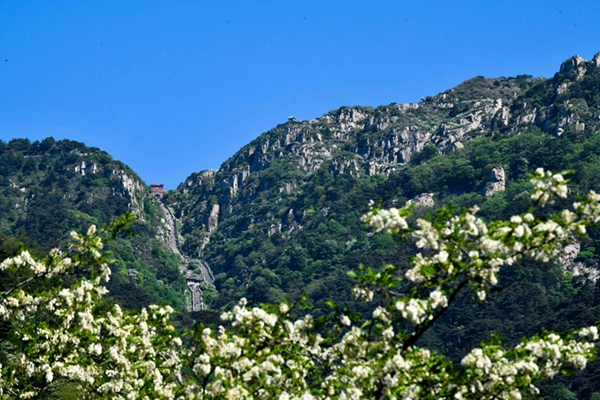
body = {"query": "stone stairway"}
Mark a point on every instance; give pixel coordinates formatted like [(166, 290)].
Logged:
[(195, 283)]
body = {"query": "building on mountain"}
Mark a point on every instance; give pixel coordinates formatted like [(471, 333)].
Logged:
[(158, 189)]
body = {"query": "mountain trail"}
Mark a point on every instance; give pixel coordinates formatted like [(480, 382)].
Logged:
[(195, 283)]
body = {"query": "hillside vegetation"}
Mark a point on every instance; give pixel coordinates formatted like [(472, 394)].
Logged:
[(282, 217), (50, 188)]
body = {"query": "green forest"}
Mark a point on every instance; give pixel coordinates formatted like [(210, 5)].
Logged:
[(291, 233), (46, 194)]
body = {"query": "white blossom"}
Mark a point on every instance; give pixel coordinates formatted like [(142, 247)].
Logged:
[(264, 354)]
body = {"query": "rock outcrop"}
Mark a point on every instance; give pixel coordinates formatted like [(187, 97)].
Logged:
[(422, 200), (213, 218), (132, 188), (596, 59), (575, 63), (496, 181), (365, 141), (356, 141), (567, 260)]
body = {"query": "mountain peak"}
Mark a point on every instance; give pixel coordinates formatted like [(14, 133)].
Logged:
[(572, 63), (596, 59)]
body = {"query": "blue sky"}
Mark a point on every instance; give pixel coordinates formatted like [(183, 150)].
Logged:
[(175, 87)]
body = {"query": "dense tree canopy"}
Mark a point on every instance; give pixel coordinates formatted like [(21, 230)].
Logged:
[(62, 333), (50, 188)]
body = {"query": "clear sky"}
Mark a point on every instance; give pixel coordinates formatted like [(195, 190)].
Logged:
[(175, 87)]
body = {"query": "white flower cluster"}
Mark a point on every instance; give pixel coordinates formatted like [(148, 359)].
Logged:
[(266, 354), (387, 221), (238, 362), (494, 373), (115, 353), (589, 212), (418, 310), (590, 333), (364, 294), (547, 185)]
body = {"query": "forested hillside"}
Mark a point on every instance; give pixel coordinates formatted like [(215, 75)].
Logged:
[(50, 188), (282, 216)]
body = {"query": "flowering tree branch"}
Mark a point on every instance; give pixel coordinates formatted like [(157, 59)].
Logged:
[(63, 333)]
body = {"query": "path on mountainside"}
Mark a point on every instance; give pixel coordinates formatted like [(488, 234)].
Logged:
[(193, 283), (206, 272)]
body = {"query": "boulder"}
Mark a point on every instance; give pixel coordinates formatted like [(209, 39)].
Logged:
[(496, 181), (572, 63), (422, 200)]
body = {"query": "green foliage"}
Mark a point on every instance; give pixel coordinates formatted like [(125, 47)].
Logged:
[(314, 259), (429, 151), (559, 392), (63, 339), (46, 193)]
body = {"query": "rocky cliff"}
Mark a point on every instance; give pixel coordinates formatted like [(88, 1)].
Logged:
[(365, 141)]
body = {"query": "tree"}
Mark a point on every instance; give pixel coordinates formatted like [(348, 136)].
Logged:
[(66, 333)]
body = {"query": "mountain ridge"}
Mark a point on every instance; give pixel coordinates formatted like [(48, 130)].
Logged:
[(281, 219), (51, 188), (281, 182), (368, 141)]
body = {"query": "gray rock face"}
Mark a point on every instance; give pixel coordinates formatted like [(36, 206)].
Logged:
[(345, 166), (496, 181), (171, 228), (562, 111), (213, 218), (567, 260), (575, 63), (562, 88), (358, 141), (596, 59), (131, 188), (571, 64), (570, 253), (422, 200)]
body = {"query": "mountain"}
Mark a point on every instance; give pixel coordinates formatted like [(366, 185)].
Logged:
[(250, 218), (282, 216), (50, 188)]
